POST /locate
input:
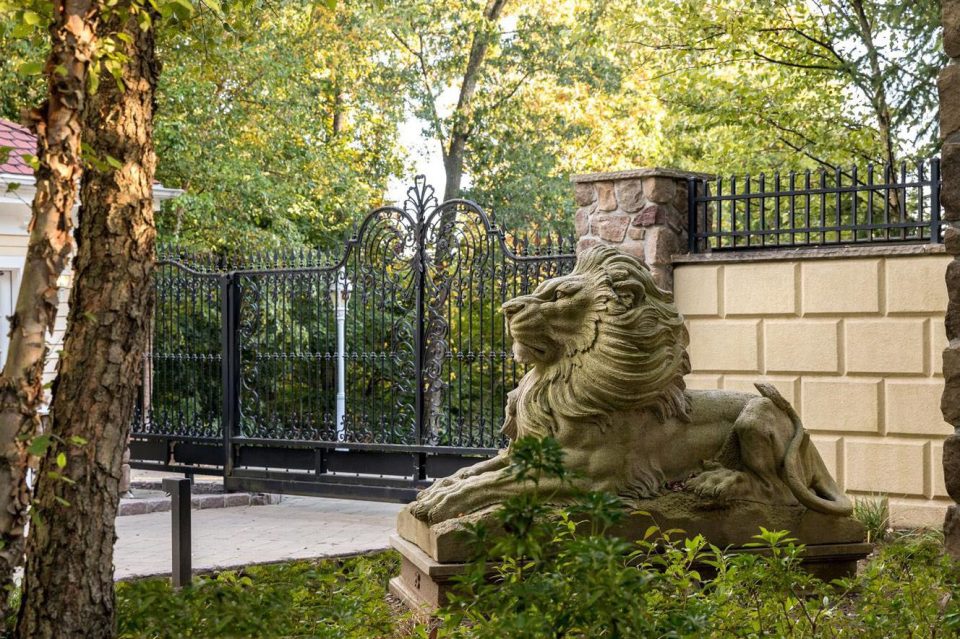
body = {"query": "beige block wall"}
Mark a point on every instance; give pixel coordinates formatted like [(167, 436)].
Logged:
[(854, 343)]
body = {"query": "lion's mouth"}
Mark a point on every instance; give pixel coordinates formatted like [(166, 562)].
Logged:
[(536, 347)]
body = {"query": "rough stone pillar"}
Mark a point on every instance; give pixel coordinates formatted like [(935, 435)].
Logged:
[(641, 212), (949, 85)]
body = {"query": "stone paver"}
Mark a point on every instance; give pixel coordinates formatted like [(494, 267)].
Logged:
[(296, 528)]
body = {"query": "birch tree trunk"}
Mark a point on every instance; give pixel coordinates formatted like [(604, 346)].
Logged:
[(68, 584), (57, 125)]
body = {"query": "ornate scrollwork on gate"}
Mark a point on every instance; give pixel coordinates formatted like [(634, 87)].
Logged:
[(415, 294)]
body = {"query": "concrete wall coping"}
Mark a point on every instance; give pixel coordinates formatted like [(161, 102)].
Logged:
[(638, 173), (809, 253)]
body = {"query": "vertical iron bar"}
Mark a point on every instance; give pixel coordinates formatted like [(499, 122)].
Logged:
[(776, 208), (763, 209), (719, 209), (854, 202), (934, 201), (733, 208), (692, 214), (838, 201), (793, 206), (419, 284), (823, 206), (887, 176), (902, 201), (230, 367), (870, 194)]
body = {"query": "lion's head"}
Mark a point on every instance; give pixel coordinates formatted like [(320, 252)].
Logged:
[(602, 339)]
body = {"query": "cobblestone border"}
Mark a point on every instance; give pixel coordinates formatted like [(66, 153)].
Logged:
[(203, 501)]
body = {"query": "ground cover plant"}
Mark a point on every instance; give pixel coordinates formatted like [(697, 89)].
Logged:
[(556, 579), (342, 599)]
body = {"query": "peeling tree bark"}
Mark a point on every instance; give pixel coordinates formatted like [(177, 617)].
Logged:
[(57, 125), (68, 585)]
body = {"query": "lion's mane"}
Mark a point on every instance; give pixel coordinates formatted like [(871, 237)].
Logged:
[(636, 362)]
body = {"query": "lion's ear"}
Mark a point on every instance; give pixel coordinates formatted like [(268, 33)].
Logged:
[(630, 293)]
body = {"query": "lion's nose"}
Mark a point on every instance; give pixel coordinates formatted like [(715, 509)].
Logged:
[(512, 307)]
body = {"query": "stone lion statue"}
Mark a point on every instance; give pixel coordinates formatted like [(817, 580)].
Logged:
[(608, 355)]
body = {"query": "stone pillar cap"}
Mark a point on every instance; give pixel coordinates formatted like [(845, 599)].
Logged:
[(639, 173)]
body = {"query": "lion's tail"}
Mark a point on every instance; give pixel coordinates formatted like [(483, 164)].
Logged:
[(822, 495)]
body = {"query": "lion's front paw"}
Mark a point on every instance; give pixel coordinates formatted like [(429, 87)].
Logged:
[(719, 483), (419, 509), (447, 507)]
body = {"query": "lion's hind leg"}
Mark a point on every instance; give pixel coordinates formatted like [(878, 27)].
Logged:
[(748, 466), (719, 482)]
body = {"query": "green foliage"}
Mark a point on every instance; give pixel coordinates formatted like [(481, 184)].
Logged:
[(759, 84), (557, 574), (23, 48), (334, 598), (279, 121)]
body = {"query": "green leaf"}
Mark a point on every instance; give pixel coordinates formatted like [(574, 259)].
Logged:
[(31, 17), (61, 501), (35, 518), (30, 68), (39, 445), (76, 440), (114, 162), (61, 460)]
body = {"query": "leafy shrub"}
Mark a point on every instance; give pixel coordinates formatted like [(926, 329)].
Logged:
[(553, 578), (334, 598)]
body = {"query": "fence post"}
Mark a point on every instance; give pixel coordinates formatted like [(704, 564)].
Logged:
[(692, 214), (935, 201), (181, 533), (230, 367), (419, 341)]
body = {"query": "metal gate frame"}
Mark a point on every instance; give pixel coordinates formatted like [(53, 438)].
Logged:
[(329, 467)]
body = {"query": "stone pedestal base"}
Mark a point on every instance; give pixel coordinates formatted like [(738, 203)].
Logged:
[(433, 555), (424, 583), (726, 525)]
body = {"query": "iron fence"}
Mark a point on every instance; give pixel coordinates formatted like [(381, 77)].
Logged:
[(389, 360), (816, 208)]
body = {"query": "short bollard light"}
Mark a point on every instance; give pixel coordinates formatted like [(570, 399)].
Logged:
[(179, 489)]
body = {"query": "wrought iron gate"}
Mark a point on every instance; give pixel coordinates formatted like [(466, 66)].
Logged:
[(242, 372)]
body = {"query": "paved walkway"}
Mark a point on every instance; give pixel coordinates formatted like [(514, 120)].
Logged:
[(296, 528)]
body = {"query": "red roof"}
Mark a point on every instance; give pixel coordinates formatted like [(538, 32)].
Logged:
[(22, 141)]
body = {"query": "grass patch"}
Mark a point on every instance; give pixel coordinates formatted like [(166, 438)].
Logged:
[(874, 514)]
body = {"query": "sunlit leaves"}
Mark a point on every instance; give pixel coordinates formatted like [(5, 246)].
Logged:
[(282, 129)]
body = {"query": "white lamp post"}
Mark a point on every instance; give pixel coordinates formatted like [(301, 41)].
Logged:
[(340, 289)]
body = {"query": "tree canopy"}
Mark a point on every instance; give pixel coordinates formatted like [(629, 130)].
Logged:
[(282, 119)]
